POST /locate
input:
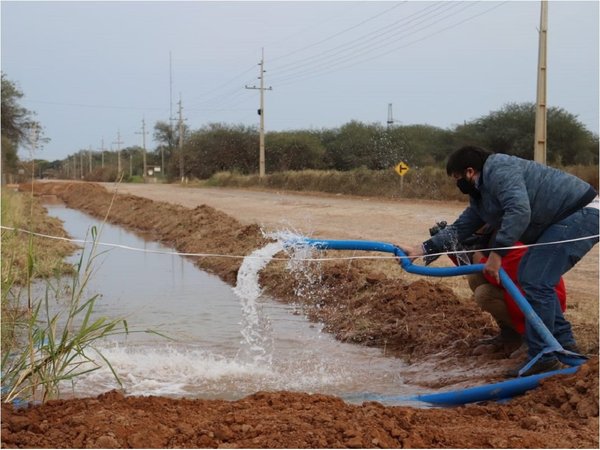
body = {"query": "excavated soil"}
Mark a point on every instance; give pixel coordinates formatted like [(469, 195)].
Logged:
[(421, 321)]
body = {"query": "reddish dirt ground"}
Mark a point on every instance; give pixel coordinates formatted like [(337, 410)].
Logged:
[(365, 303)]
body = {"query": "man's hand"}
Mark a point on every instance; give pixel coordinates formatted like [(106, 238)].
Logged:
[(492, 266), (412, 251)]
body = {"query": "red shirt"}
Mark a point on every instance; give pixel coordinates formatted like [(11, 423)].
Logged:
[(510, 263)]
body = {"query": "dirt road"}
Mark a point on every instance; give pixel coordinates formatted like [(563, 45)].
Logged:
[(319, 215)]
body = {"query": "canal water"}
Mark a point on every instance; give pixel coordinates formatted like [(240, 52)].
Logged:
[(224, 342)]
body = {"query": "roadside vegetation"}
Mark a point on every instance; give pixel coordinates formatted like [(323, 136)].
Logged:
[(25, 257), (49, 331), (427, 183), (49, 328)]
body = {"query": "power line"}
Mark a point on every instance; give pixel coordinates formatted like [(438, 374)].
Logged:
[(338, 33), (236, 95), (326, 54), (219, 87), (224, 96), (86, 105), (329, 69), (366, 48)]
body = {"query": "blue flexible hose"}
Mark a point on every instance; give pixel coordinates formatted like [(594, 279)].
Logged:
[(501, 390)]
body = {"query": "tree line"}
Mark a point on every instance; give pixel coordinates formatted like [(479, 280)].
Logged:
[(222, 147), (219, 147)]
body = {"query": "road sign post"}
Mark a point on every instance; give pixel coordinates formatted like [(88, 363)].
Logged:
[(401, 168)]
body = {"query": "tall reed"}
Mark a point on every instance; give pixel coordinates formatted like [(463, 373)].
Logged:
[(52, 346), (52, 338)]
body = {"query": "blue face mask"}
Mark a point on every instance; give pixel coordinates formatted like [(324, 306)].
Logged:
[(467, 188)]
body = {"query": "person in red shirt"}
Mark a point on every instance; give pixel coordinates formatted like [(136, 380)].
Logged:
[(492, 297)]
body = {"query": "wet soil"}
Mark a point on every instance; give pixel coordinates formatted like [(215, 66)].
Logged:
[(419, 320)]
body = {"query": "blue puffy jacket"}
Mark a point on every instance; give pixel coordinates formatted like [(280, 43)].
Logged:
[(520, 199)]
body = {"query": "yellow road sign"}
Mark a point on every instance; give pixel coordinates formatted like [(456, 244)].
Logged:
[(401, 168)]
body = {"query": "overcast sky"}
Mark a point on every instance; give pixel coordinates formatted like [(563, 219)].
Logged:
[(92, 69)]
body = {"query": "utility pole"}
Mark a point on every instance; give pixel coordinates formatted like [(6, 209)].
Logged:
[(81, 162), (143, 133), (118, 142), (102, 150), (162, 151), (90, 158), (390, 119), (181, 162), (541, 112), (130, 164), (170, 91), (34, 144), (261, 112)]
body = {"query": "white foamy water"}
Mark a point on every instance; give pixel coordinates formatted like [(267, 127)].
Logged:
[(256, 329), (226, 343)]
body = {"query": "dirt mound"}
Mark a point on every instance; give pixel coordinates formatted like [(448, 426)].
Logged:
[(575, 396), (560, 415), (410, 319)]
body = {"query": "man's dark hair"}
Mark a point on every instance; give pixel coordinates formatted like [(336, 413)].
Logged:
[(467, 156)]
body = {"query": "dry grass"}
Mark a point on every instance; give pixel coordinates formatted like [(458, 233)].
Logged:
[(23, 211), (427, 182)]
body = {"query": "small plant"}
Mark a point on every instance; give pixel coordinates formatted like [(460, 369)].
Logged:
[(51, 340), (50, 347)]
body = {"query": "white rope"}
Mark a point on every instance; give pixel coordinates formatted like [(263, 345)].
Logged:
[(217, 255)]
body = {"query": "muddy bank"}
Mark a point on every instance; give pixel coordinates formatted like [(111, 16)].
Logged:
[(561, 414)]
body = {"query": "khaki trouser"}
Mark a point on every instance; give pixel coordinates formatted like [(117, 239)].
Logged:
[(490, 298)]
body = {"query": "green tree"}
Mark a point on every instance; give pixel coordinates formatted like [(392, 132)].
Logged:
[(167, 139), (423, 144), (293, 150), (219, 147), (387, 148), (511, 130), (569, 141), (17, 123), (352, 146)]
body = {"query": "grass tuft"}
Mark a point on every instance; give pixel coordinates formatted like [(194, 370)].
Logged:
[(51, 340)]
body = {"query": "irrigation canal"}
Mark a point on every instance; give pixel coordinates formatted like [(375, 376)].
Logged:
[(225, 342)]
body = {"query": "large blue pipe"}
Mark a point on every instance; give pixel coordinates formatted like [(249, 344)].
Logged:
[(530, 315), (496, 391), (488, 392)]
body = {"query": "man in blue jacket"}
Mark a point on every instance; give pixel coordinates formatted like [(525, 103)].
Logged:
[(532, 203)]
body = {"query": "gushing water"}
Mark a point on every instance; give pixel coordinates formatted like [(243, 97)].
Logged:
[(256, 330)]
